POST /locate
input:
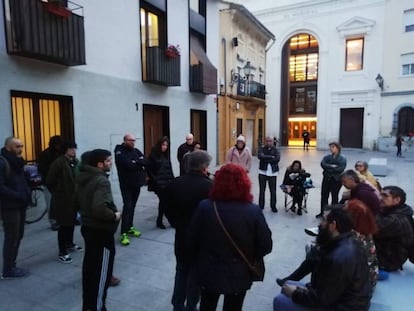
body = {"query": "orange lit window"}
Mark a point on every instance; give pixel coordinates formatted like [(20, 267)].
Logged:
[(354, 54)]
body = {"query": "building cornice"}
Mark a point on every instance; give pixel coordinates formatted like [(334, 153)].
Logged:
[(356, 26), (399, 93)]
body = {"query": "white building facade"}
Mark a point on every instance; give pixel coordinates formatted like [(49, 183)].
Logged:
[(321, 73), (94, 70)]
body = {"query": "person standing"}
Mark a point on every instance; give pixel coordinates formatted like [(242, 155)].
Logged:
[(160, 174), (14, 198), (240, 154), (220, 268), (61, 182), (306, 140), (184, 149), (46, 159), (269, 158), (333, 166), (99, 218), (184, 193), (398, 142), (130, 164)]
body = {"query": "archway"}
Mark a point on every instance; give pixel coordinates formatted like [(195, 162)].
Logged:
[(299, 88)]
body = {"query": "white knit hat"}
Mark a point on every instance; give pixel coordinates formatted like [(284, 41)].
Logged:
[(241, 138)]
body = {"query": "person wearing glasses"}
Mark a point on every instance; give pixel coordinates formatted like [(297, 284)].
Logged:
[(14, 198), (130, 164), (395, 237)]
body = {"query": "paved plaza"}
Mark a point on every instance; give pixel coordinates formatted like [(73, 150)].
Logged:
[(147, 265)]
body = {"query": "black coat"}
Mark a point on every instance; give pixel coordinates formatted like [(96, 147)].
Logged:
[(269, 155), (14, 190), (159, 170), (219, 266), (130, 164), (184, 194), (340, 280)]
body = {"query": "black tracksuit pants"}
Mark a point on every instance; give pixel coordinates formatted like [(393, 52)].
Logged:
[(97, 267), (129, 197)]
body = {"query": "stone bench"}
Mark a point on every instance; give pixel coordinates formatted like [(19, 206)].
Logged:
[(378, 166)]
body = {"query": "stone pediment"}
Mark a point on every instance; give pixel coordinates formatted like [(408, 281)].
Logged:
[(356, 26)]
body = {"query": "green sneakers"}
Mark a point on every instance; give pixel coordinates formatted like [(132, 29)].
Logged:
[(134, 232), (124, 239)]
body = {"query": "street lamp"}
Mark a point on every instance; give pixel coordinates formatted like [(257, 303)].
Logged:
[(247, 69), (380, 81)]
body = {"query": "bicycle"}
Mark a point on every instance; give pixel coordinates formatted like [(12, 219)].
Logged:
[(38, 206)]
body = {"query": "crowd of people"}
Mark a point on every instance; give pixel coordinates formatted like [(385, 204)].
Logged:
[(221, 235)]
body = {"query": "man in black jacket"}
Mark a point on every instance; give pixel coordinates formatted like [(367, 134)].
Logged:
[(340, 279), (183, 149), (184, 194), (14, 198), (130, 164), (395, 236), (269, 158)]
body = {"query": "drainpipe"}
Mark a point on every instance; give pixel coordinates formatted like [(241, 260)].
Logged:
[(224, 43), (273, 42)]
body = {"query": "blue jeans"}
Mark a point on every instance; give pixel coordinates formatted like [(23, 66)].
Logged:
[(284, 303), (185, 288)]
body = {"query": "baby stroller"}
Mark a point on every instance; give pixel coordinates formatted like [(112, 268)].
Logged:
[(289, 189)]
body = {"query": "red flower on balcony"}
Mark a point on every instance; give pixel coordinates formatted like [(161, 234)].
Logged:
[(172, 51)]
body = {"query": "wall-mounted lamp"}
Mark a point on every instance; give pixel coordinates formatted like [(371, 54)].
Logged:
[(235, 41), (380, 81)]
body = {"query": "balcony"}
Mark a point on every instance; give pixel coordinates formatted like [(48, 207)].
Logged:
[(160, 68), (251, 88), (48, 31), (203, 79)]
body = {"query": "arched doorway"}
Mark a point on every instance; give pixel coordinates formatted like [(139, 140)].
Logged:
[(299, 88)]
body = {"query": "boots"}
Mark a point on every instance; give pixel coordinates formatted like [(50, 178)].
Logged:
[(300, 210)]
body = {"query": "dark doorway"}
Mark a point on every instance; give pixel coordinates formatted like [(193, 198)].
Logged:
[(406, 121), (156, 125), (351, 127), (199, 127)]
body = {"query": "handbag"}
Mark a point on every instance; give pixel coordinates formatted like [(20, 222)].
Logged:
[(257, 268)]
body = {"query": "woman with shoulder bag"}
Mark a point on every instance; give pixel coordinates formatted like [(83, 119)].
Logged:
[(228, 236)]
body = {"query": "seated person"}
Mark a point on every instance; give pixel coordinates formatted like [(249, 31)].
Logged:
[(364, 226), (294, 181), (395, 234), (340, 277)]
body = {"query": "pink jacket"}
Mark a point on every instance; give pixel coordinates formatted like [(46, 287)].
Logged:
[(243, 159)]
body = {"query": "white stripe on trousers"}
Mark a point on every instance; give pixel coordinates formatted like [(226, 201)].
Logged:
[(102, 281)]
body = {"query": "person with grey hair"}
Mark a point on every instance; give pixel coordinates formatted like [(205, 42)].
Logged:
[(184, 193), (361, 190)]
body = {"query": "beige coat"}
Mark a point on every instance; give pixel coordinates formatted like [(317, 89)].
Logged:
[(243, 158)]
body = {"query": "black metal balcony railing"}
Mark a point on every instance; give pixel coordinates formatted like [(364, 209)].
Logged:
[(45, 30), (203, 79), (162, 69), (251, 88)]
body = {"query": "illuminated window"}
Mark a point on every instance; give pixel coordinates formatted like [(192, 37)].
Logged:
[(303, 41), (303, 67), (354, 54), (152, 31), (37, 117)]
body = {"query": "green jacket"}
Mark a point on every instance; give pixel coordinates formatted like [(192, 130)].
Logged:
[(94, 197)]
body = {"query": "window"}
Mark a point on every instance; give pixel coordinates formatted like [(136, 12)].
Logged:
[(239, 127), (303, 67), (37, 117), (302, 100), (198, 6), (153, 27), (407, 61), (354, 54), (409, 20)]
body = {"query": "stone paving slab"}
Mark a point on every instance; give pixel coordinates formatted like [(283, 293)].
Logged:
[(147, 265)]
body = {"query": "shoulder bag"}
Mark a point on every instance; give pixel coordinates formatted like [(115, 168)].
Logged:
[(257, 269)]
